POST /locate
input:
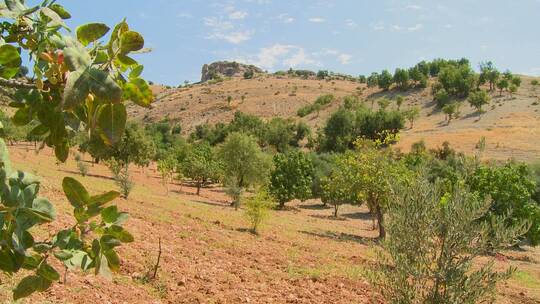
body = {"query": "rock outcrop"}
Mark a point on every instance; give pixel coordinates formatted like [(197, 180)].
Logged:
[(226, 69)]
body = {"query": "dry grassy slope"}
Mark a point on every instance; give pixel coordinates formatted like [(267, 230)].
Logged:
[(511, 125)]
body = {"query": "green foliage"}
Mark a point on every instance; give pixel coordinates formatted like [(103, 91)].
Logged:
[(457, 80), (201, 165), (411, 115), (503, 84), (317, 105), (244, 164), (451, 110), (322, 74), (166, 168), (344, 127), (78, 85), (402, 78), (399, 101), (123, 180), (82, 167), (249, 74), (511, 187), (292, 177), (257, 209), (488, 74), (442, 98), (373, 80), (478, 99), (434, 240), (385, 80)]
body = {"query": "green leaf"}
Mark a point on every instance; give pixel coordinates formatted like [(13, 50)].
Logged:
[(112, 122), (136, 71), (26, 287), (61, 11), (111, 215), (75, 192), (61, 151), (7, 261), (109, 242), (82, 82), (112, 259), (91, 32), (15, 5), (120, 233), (10, 61), (138, 91), (104, 198), (22, 117), (77, 58), (46, 271), (55, 19), (126, 60), (131, 41), (45, 208), (63, 255)]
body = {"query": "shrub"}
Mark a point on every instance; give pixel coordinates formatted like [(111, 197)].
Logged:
[(124, 182), (201, 165), (457, 80), (291, 178), (257, 209), (434, 238), (401, 78), (442, 98), (385, 80), (82, 167), (248, 74), (244, 165), (478, 99), (451, 111), (411, 115)]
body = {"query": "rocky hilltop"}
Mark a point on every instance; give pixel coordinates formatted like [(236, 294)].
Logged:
[(226, 69)]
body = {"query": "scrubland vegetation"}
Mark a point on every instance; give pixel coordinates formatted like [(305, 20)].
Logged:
[(436, 212)]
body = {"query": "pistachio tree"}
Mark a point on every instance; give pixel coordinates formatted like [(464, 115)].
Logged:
[(79, 83)]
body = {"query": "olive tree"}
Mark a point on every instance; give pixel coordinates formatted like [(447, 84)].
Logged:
[(434, 243), (79, 84), (478, 99), (244, 165), (291, 177), (201, 165)]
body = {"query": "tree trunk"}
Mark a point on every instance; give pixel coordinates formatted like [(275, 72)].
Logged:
[(198, 188), (380, 222), (336, 206)]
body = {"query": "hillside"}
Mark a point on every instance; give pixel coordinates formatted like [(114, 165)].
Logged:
[(303, 255), (511, 125)]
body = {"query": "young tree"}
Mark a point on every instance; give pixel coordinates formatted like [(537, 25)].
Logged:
[(512, 89), (372, 172), (411, 115), (291, 178), (201, 165), (79, 84), (478, 99), (511, 188), (399, 101), (502, 85), (166, 168), (451, 111), (383, 103), (401, 78), (488, 73), (244, 165), (385, 80), (257, 209), (373, 80), (433, 245)]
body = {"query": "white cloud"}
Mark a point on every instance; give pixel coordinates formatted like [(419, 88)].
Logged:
[(317, 20), (396, 27), (379, 26), (217, 24), (344, 58), (285, 18), (284, 55), (232, 37), (414, 7), (237, 15), (351, 23), (415, 28), (298, 58)]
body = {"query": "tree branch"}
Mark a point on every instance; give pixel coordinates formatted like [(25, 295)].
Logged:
[(12, 83)]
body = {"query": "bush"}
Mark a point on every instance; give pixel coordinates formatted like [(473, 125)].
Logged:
[(385, 80), (442, 98), (248, 74), (401, 78), (124, 182), (291, 178), (433, 239), (478, 99), (257, 209), (82, 167), (457, 80)]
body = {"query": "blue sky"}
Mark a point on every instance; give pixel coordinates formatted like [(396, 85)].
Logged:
[(348, 36)]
